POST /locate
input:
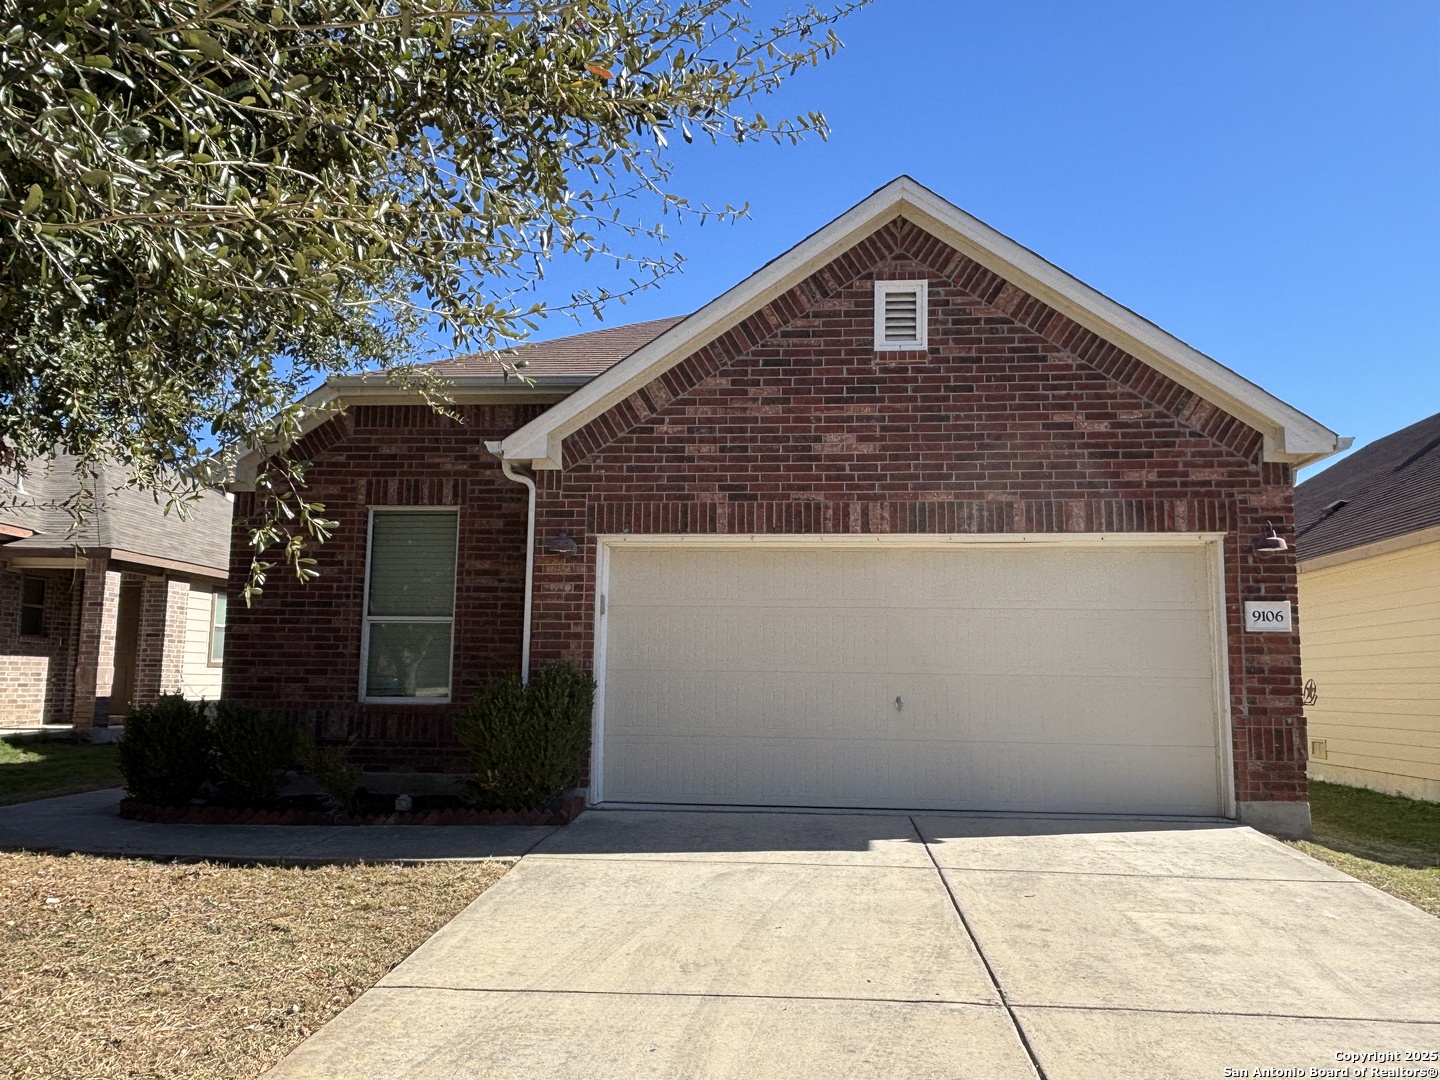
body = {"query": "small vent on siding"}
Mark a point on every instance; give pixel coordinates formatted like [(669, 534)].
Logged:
[(1319, 750), (900, 315)]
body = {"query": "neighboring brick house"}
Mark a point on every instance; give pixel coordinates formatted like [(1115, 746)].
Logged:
[(1368, 544), (909, 518), (111, 613)]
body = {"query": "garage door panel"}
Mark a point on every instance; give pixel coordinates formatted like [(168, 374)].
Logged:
[(1054, 710), (1022, 576), (758, 637), (935, 775), (1032, 678)]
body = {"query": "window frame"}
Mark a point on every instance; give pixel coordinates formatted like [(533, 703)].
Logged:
[(44, 599), (919, 286), (216, 595), (366, 618)]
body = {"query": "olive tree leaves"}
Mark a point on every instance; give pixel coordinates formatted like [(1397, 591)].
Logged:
[(208, 208)]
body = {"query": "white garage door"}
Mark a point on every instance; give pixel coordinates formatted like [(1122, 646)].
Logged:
[(1030, 677)]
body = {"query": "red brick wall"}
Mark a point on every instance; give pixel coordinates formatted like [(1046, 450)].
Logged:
[(298, 647), (1015, 420), (37, 673), (95, 645), (160, 647)]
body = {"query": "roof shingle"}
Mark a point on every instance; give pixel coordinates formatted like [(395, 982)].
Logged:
[(577, 356), (125, 518), (1389, 488)]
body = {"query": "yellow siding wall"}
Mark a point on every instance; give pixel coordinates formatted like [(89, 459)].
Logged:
[(200, 680), (1370, 638)]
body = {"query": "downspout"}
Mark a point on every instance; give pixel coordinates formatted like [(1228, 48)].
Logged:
[(508, 468)]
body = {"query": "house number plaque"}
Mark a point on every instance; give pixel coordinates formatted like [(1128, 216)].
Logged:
[(1267, 616)]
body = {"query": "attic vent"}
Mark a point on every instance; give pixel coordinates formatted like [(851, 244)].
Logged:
[(1337, 505), (900, 315)]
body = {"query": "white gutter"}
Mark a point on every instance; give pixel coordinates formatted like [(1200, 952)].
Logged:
[(508, 468)]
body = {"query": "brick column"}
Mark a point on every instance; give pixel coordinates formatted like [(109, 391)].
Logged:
[(160, 651), (172, 659), (95, 647)]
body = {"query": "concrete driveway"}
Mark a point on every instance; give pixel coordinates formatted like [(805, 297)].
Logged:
[(692, 946)]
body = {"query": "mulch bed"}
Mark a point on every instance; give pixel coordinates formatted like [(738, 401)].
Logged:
[(304, 813)]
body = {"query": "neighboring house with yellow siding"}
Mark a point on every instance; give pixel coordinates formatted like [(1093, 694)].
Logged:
[(1368, 543)]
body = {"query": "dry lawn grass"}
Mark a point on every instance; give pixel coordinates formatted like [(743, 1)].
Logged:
[(1414, 885), (1389, 841), (123, 968)]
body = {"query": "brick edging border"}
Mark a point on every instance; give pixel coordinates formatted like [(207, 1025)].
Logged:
[(230, 815)]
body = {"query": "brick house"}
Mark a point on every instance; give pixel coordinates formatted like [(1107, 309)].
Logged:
[(908, 518), (112, 613)]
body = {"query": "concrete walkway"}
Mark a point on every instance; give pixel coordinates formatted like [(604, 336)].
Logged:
[(91, 824), (696, 946)]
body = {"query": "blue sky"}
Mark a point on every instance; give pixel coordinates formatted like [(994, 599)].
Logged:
[(1260, 179)]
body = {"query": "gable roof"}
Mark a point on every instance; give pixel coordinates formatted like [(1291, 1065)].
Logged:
[(552, 369), (126, 521), (1389, 488), (1289, 434), (588, 354)]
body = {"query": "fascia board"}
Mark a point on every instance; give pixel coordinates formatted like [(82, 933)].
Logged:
[(1290, 435), (338, 394), (1294, 433), (540, 441), (1391, 544)]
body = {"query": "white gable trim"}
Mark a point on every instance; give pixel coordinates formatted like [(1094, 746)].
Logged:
[(1289, 434), (339, 394)]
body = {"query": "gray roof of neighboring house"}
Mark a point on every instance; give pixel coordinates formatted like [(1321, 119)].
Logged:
[(586, 354), (124, 519), (1389, 488)]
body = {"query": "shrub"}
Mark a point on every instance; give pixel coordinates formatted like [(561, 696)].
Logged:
[(252, 748), (332, 770), (527, 742), (165, 751)]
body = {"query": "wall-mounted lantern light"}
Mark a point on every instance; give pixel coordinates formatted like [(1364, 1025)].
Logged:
[(563, 545), (1270, 542)]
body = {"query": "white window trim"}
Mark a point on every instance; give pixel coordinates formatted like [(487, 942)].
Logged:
[(366, 618), (922, 314)]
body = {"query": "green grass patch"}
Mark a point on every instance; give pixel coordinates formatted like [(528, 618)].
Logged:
[(38, 768), (1389, 841), (1373, 825)]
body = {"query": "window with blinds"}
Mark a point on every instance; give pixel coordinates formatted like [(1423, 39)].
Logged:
[(901, 315), (218, 604), (409, 605)]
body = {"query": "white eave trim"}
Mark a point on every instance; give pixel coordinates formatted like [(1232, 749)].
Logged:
[(1388, 546), (1290, 435), (338, 394)]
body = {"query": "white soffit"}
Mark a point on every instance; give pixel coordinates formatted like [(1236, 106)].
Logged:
[(1290, 435)]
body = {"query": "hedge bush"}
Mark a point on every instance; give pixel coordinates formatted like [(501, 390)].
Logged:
[(527, 742), (252, 750), (337, 777), (165, 751)]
